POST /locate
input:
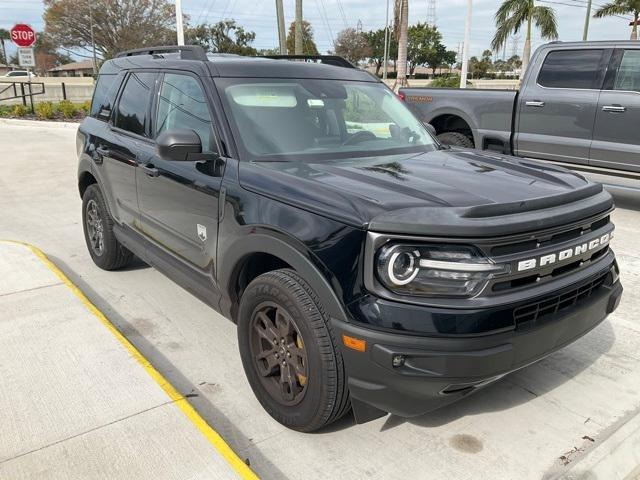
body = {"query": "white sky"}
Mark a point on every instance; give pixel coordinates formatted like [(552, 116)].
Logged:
[(330, 16)]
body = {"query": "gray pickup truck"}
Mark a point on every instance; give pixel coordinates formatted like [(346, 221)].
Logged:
[(579, 104)]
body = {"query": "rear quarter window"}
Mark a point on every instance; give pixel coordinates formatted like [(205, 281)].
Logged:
[(104, 94), (578, 69)]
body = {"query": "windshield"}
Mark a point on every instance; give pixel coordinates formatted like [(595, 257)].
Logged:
[(307, 119)]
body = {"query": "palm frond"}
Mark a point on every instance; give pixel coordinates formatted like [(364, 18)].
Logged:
[(545, 20), (510, 17), (617, 7)]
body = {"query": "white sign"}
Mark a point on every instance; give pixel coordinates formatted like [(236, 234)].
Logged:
[(26, 57)]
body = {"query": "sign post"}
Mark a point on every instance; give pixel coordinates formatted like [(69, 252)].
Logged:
[(24, 37)]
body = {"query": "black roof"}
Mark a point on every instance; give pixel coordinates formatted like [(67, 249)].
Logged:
[(223, 65)]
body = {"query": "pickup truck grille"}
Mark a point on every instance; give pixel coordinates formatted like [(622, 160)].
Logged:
[(549, 306), (542, 253)]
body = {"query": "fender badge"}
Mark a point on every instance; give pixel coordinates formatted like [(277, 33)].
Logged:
[(202, 232)]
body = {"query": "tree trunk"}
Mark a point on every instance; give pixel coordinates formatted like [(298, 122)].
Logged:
[(634, 30), (526, 53), (401, 80), (378, 66)]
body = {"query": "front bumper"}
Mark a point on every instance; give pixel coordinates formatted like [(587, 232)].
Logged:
[(437, 370)]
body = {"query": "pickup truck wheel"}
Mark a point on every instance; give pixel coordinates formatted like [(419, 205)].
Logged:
[(455, 139), (289, 353), (105, 249)]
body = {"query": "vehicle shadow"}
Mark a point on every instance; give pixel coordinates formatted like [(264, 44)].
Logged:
[(523, 385)]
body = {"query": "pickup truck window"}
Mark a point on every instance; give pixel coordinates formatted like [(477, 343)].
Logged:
[(579, 69), (628, 75), (310, 119)]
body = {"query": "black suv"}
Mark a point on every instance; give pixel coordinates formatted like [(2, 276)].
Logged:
[(366, 265)]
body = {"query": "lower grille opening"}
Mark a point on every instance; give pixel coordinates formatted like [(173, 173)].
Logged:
[(552, 305)]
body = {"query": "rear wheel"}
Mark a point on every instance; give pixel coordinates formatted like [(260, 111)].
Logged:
[(455, 139), (289, 353), (105, 249)]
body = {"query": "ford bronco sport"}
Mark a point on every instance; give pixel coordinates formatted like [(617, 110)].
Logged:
[(367, 266)]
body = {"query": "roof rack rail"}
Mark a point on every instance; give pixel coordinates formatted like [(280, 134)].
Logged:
[(187, 52), (335, 60)]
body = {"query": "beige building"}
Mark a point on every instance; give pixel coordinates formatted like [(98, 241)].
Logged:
[(73, 69)]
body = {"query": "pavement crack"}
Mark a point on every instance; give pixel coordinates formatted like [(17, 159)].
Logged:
[(26, 290), (91, 430)]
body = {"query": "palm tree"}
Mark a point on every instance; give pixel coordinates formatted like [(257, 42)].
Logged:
[(4, 35), (403, 13), (513, 14), (622, 7)]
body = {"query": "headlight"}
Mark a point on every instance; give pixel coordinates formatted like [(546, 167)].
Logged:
[(434, 270)]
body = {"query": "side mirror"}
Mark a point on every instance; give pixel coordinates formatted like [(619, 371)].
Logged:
[(430, 128), (179, 145)]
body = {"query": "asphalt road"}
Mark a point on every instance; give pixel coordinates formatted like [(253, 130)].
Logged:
[(536, 423)]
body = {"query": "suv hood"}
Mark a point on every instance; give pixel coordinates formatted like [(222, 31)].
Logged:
[(444, 192)]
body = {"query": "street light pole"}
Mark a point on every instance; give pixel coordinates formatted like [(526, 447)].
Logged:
[(282, 38), (93, 42), (298, 43), (585, 34), (465, 48), (179, 26), (386, 45)]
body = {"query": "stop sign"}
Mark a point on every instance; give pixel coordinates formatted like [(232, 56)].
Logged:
[(23, 35)]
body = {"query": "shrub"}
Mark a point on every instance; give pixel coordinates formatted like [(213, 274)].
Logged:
[(85, 107), (5, 110), (446, 82), (19, 111), (67, 109), (45, 110)]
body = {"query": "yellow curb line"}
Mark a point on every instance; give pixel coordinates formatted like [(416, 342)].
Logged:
[(194, 417)]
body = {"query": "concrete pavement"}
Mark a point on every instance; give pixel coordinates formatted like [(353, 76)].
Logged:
[(78, 401), (530, 425)]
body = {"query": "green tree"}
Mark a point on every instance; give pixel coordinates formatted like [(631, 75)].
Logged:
[(375, 39), (622, 7), (352, 45), (425, 48), (226, 36), (513, 14), (308, 45), (118, 24), (4, 35)]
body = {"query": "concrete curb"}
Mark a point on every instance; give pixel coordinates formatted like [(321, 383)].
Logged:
[(616, 458), (38, 123)]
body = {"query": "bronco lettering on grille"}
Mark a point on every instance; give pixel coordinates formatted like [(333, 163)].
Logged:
[(565, 254)]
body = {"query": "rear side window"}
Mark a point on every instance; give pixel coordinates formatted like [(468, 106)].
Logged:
[(628, 75), (104, 95), (133, 106), (580, 69)]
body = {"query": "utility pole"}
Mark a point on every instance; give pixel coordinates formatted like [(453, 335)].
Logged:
[(298, 34), (93, 42), (431, 13), (465, 48), (179, 27), (385, 61), (585, 34), (281, 34)]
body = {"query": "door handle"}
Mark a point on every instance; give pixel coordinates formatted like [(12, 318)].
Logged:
[(614, 108), (534, 103), (150, 170), (103, 151)]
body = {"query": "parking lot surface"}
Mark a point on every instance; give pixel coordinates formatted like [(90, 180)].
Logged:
[(545, 421)]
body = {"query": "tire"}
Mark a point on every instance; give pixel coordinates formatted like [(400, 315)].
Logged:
[(316, 394), (455, 139), (96, 219)]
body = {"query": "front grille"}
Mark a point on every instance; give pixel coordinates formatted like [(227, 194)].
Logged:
[(552, 305)]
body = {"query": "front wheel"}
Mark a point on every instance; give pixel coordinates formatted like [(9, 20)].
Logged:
[(105, 249), (289, 353)]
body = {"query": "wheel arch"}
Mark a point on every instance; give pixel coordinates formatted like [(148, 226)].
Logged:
[(259, 252), (453, 121)]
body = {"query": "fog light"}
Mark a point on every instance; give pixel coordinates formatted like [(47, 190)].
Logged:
[(397, 361)]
